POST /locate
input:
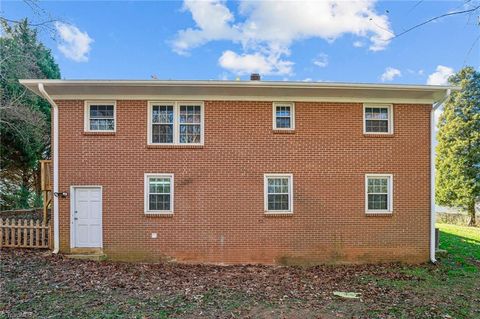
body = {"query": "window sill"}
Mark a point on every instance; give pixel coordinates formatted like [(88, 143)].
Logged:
[(378, 135), (167, 215), (277, 131), (278, 214), (98, 133), (379, 214), (174, 146)]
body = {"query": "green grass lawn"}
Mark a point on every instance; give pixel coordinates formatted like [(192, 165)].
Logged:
[(461, 242), (452, 286), (35, 284)]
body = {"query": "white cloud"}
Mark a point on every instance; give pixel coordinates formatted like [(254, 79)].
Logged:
[(257, 62), (321, 60), (358, 44), (440, 76), (74, 44), (390, 74), (213, 21), (420, 72), (268, 28), (307, 80)]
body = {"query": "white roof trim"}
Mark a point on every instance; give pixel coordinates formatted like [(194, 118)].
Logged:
[(238, 90)]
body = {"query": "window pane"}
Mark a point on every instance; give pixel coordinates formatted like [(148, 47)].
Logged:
[(159, 202), (93, 110), (101, 118), (278, 193), (376, 119), (190, 133), (278, 202), (159, 193), (162, 133), (376, 126), (190, 114), (377, 185), (102, 125), (162, 114), (159, 185), (376, 113), (378, 202), (283, 111), (101, 111), (277, 185), (283, 122)]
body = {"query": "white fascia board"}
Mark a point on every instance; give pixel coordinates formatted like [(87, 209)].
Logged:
[(239, 90)]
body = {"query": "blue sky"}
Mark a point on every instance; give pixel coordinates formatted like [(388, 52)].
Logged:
[(335, 41)]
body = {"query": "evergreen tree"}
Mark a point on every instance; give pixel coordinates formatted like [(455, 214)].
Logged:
[(24, 117), (458, 150)]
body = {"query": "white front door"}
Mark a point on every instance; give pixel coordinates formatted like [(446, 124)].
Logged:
[(87, 217)]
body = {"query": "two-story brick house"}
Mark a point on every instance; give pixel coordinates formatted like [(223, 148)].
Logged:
[(243, 171)]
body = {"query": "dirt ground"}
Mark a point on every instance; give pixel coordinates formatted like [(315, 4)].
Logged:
[(36, 284)]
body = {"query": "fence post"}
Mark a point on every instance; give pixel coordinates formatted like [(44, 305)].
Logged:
[(31, 232), (25, 232), (12, 237), (7, 233), (37, 233), (1, 232)]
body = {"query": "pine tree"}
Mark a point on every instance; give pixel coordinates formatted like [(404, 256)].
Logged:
[(458, 150), (24, 117)]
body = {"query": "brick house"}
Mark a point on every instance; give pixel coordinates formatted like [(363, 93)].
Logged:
[(243, 171)]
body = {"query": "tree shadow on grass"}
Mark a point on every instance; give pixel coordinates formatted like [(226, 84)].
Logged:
[(463, 253)]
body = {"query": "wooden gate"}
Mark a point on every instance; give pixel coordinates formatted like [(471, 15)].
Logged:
[(24, 233)]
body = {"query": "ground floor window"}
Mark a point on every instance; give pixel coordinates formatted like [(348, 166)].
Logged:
[(158, 193), (278, 193), (379, 193)]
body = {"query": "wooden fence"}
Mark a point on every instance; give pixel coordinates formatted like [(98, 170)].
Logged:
[(24, 233)]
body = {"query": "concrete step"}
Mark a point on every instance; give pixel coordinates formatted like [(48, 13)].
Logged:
[(94, 257), (86, 251)]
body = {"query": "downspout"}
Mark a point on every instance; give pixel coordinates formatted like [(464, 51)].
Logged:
[(432, 175), (56, 224)]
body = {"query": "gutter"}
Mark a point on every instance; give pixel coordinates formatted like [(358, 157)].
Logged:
[(226, 84), (433, 154), (56, 224)]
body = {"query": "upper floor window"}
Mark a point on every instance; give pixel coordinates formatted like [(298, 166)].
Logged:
[(162, 123), (377, 119), (379, 193), (100, 117), (283, 116), (175, 123), (278, 193), (190, 124)]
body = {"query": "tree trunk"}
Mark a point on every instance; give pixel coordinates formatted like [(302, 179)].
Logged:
[(471, 213)]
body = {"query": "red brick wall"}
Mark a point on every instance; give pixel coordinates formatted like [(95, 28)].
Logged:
[(219, 205)]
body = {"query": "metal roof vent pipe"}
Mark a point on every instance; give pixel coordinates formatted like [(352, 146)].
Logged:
[(254, 77)]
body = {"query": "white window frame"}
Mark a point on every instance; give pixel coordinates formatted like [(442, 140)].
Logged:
[(292, 116), (86, 115), (147, 193), (389, 107), (389, 209), (290, 193), (176, 121)]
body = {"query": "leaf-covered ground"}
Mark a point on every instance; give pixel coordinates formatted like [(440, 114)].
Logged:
[(35, 284)]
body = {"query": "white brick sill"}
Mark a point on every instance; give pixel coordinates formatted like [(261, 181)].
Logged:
[(379, 214), (159, 215), (279, 214)]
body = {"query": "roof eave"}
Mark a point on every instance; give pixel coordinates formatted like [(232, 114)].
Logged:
[(68, 89)]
